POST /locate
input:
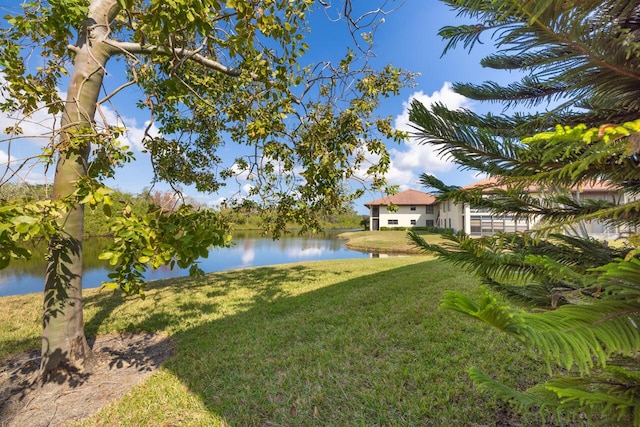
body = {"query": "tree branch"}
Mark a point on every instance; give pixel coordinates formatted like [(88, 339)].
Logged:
[(112, 94), (134, 48)]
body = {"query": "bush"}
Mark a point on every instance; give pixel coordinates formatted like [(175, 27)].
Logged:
[(434, 230)]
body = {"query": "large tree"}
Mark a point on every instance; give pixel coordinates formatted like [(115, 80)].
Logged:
[(208, 72), (573, 300)]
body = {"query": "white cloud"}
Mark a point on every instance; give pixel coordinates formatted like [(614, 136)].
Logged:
[(247, 188), (305, 252), (244, 179), (248, 255), (413, 159), (38, 178), (37, 128), (28, 170), (215, 202), (405, 178), (134, 134)]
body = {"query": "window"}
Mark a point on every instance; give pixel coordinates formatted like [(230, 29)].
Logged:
[(429, 209), (475, 225), (430, 223), (392, 222), (413, 222), (413, 207)]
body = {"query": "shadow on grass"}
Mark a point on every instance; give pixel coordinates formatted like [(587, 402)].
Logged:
[(371, 350), (262, 283)]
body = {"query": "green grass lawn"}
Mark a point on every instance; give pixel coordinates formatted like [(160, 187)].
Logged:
[(385, 241), (352, 342)]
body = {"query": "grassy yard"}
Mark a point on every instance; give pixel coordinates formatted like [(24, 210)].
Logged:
[(384, 241), (353, 342)]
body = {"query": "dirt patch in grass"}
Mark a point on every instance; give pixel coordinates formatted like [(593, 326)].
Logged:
[(121, 361)]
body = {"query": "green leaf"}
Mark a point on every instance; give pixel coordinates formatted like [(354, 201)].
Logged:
[(22, 219)]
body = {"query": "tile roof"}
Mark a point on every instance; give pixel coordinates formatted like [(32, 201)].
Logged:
[(493, 183), (487, 182), (415, 197), (404, 198)]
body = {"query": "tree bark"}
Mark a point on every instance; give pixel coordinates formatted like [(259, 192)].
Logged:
[(64, 346)]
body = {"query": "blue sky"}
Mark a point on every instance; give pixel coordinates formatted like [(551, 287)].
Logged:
[(407, 39)]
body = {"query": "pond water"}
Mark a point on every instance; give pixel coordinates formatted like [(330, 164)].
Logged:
[(249, 250)]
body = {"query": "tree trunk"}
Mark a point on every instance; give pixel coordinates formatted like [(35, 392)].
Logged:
[(64, 346)]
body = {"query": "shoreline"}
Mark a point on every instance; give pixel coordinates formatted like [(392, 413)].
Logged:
[(389, 242)]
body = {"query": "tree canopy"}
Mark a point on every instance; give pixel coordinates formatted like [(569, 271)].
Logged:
[(572, 299), (209, 73)]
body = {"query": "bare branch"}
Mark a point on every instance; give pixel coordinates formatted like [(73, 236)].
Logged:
[(371, 19), (114, 92), (134, 48)]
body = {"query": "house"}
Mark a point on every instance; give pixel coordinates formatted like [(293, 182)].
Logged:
[(409, 208), (480, 222), (418, 209)]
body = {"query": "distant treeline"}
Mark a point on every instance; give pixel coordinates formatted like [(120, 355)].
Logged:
[(96, 224), (251, 219)]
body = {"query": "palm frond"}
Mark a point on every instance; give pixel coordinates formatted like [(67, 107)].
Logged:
[(581, 59), (612, 393), (574, 336), (523, 401), (473, 146), (576, 49), (529, 92), (430, 181), (540, 296)]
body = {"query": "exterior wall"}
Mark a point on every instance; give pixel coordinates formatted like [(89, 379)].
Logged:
[(595, 228), (451, 216), (483, 223), (403, 217), (479, 222), (600, 195)]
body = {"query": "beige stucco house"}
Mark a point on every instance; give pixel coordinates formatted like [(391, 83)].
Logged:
[(418, 209), (411, 208)]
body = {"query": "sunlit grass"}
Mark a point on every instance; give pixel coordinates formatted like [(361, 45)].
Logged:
[(352, 342), (385, 241)]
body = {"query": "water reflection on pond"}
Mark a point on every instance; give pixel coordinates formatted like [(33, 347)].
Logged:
[(250, 250)]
